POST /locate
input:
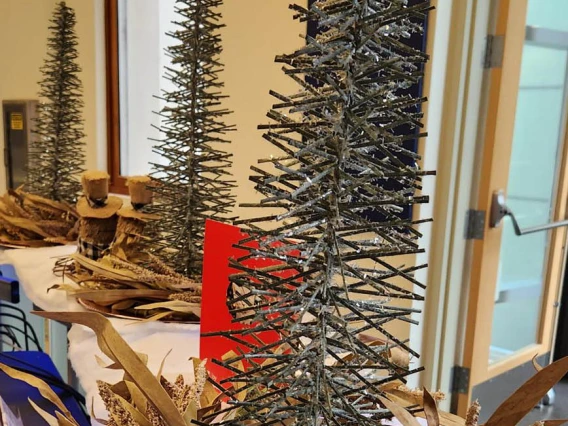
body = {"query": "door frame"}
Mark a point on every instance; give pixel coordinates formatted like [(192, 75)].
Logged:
[(461, 86), (455, 86), (499, 128)]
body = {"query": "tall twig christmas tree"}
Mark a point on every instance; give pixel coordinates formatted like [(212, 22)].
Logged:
[(341, 158), (56, 157), (193, 181)]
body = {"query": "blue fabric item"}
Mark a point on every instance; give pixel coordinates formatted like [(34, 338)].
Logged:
[(8, 271), (16, 393), (9, 277)]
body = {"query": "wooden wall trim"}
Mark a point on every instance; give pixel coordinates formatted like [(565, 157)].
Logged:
[(117, 182), (494, 173)]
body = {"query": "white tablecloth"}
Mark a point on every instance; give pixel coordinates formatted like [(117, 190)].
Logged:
[(395, 422), (34, 268), (153, 339)]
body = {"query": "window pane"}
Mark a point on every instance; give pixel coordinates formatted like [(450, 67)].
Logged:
[(539, 126), (550, 14), (142, 40)]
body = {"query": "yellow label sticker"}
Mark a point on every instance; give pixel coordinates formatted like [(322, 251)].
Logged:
[(16, 121)]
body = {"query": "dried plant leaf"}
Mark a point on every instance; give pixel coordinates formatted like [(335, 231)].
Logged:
[(174, 305), (121, 389), (39, 384), (406, 396), (240, 396), (63, 421), (191, 413), (528, 395), (119, 287), (208, 410), (448, 419), (114, 346), (69, 288), (555, 422), (209, 394), (431, 409), (403, 397), (138, 399), (102, 269), (92, 413), (138, 417), (393, 384), (156, 317), (26, 224), (394, 354), (535, 363), (116, 366), (28, 220), (402, 415), (123, 305), (63, 207), (162, 365), (114, 296), (10, 243), (101, 362), (50, 419)]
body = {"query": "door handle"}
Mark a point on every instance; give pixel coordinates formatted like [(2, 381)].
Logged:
[(499, 211)]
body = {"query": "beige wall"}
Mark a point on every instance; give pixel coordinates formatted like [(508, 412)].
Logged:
[(24, 31), (256, 31)]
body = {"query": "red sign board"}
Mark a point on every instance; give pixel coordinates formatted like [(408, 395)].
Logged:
[(218, 249)]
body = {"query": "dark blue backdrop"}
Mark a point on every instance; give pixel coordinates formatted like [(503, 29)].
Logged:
[(416, 41)]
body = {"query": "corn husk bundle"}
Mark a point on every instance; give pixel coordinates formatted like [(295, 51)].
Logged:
[(144, 399), (126, 405), (118, 287), (28, 220)]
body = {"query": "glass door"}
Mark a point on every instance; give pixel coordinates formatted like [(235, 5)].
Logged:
[(514, 280), (531, 189)]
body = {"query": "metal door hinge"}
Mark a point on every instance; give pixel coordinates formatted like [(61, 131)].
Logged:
[(494, 49), (460, 379), (475, 224)]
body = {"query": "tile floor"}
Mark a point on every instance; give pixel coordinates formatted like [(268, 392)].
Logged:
[(559, 410)]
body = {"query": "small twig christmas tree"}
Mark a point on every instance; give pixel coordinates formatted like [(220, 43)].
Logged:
[(56, 156), (342, 156), (193, 181)]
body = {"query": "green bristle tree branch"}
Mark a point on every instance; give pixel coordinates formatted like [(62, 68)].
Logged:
[(56, 156)]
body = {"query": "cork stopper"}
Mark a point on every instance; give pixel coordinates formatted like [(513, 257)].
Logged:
[(140, 195), (95, 184)]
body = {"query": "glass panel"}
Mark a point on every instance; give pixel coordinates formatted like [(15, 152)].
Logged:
[(550, 14), (539, 125), (143, 25)]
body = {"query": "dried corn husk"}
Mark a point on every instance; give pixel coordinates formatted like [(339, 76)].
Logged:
[(28, 220), (114, 286)]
